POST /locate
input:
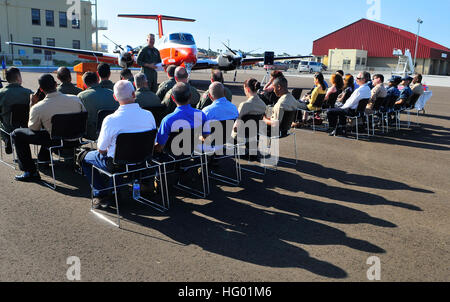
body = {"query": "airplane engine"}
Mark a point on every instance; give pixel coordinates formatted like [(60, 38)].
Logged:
[(126, 60), (229, 62)]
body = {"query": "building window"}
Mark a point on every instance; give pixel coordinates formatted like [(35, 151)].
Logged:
[(50, 42), (363, 61), (75, 21), (62, 19), (76, 44), (358, 61), (37, 41), (49, 18), (35, 16)]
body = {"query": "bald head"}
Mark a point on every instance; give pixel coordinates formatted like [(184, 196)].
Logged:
[(181, 74), (124, 92), (216, 91)]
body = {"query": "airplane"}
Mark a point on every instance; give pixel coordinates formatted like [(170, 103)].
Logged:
[(176, 48)]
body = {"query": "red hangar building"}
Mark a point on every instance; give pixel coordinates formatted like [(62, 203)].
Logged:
[(373, 45)]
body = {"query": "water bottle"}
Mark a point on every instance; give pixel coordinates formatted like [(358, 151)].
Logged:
[(136, 190)]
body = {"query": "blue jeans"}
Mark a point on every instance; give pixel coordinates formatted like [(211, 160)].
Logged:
[(100, 161)]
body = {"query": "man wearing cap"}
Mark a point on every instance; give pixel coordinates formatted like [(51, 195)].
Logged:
[(148, 58), (167, 85), (95, 98), (405, 93), (66, 86), (40, 125), (129, 118), (10, 95)]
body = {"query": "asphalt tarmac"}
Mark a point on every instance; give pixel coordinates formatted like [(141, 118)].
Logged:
[(385, 196)]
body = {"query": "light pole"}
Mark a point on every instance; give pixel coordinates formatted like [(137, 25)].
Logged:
[(419, 22)]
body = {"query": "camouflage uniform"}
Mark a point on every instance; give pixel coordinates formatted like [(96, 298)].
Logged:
[(69, 88), (206, 100), (164, 87), (170, 104)]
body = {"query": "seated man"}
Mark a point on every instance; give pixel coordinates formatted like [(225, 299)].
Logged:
[(11, 95), (404, 94), (183, 116), (417, 84), (378, 91), (129, 118), (181, 76), (144, 96), (167, 85), (221, 109), (216, 76), (285, 103), (40, 125), (66, 87), (349, 108), (126, 75), (94, 99), (104, 73)]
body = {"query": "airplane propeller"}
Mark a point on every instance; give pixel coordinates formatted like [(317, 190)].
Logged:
[(126, 57)]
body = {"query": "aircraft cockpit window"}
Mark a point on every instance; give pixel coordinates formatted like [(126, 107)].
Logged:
[(189, 38), (174, 37)]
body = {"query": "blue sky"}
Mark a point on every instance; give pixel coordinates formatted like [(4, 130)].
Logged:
[(280, 25)]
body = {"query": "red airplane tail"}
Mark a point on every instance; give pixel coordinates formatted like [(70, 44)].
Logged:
[(159, 18)]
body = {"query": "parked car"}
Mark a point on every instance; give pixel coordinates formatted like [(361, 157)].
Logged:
[(279, 66), (309, 66)]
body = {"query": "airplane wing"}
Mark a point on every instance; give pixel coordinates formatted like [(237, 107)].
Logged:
[(205, 64), (251, 61), (82, 54)]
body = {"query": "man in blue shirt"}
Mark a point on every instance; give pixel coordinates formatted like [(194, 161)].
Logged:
[(405, 93), (184, 117), (221, 109)]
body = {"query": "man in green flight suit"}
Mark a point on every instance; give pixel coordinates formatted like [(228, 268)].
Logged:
[(13, 93), (147, 58), (167, 85)]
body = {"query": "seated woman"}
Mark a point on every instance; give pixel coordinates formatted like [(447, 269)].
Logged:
[(337, 84), (267, 95), (253, 106), (349, 87), (307, 103)]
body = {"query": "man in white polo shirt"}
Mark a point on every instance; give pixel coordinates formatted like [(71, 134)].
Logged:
[(129, 118)]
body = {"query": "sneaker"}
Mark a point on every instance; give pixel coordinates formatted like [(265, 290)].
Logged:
[(100, 202)]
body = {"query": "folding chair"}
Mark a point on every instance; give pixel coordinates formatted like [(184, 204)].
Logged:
[(318, 104), (18, 119), (377, 105), (297, 93), (188, 152), (387, 109), (330, 103), (222, 150), (284, 131), (69, 130), (133, 157), (360, 113), (411, 105), (158, 113)]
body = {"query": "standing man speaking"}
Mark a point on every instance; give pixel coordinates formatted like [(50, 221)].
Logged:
[(147, 58)]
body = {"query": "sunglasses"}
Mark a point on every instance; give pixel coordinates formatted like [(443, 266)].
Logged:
[(360, 79)]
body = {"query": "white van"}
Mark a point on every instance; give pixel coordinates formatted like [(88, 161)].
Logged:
[(308, 66)]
